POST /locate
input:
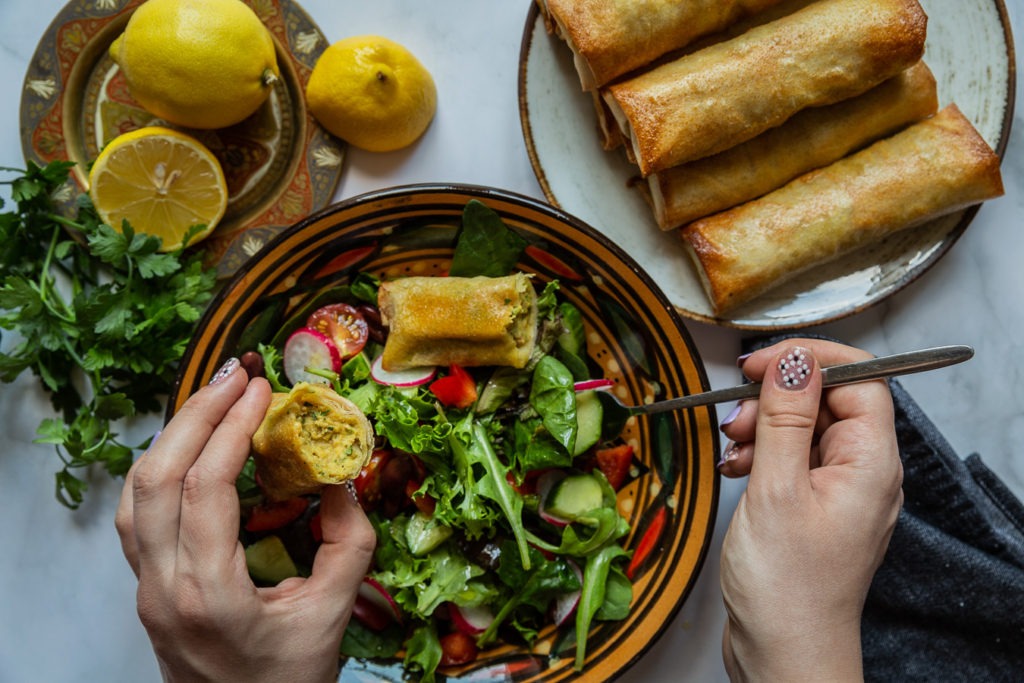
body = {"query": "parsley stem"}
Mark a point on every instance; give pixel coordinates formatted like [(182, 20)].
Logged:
[(46, 284), (65, 221)]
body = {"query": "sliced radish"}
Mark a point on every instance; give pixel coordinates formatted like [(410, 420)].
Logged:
[(413, 377), (308, 348), (375, 605), (471, 620), (565, 604), (545, 483), (593, 385)]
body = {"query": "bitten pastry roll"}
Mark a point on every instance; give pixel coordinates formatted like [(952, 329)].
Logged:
[(732, 91), (609, 38), (310, 437), (810, 139), (466, 321), (932, 168)]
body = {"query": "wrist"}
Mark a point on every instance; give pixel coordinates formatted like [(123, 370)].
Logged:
[(831, 653)]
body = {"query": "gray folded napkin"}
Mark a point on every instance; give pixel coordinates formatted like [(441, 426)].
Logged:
[(947, 604)]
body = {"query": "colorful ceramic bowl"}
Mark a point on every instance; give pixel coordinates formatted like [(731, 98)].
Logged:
[(633, 332)]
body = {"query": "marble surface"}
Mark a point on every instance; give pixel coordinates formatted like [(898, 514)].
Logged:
[(66, 596)]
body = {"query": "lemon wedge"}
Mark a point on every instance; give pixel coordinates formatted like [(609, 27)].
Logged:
[(162, 182)]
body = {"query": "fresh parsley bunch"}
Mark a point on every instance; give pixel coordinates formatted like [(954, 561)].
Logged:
[(101, 317)]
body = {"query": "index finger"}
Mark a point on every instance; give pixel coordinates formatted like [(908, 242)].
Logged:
[(159, 475), (209, 506)]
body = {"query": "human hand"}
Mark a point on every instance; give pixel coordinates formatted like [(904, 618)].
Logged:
[(814, 522), (178, 520)]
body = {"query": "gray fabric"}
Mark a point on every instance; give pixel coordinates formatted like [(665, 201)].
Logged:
[(947, 604)]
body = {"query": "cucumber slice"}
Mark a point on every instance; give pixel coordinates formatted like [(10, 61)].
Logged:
[(268, 561), (423, 533), (575, 496), (589, 415)]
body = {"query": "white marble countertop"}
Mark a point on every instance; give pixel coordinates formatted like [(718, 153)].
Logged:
[(67, 599)]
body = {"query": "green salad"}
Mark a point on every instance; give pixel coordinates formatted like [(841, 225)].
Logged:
[(492, 490)]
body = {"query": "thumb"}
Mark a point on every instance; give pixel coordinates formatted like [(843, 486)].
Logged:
[(348, 542), (787, 414)]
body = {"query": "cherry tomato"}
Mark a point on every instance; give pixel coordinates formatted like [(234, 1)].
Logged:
[(457, 648), (345, 326)]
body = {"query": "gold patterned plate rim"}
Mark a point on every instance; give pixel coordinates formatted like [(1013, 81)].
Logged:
[(280, 164), (636, 337)]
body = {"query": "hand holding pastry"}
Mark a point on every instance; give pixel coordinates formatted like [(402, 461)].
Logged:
[(178, 520)]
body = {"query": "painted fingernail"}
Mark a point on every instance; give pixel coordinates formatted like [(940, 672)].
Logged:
[(731, 453), (743, 359), (226, 370), (794, 371), (733, 414)]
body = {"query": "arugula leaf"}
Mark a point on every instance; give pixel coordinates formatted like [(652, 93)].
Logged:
[(534, 588), (486, 246), (592, 596), (470, 444), (105, 305)]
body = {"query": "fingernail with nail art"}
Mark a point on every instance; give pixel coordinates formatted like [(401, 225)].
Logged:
[(795, 368), (730, 454), (226, 370)]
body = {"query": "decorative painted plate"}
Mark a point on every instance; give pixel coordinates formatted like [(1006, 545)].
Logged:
[(969, 49), (633, 334), (279, 164)]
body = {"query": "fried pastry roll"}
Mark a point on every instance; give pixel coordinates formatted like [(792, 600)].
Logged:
[(732, 91), (609, 38), (932, 168), (466, 321), (310, 437), (810, 139)]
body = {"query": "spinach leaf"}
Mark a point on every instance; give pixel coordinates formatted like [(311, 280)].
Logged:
[(486, 246), (552, 395), (360, 641)]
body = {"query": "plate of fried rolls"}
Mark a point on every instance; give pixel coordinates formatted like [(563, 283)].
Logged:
[(773, 164)]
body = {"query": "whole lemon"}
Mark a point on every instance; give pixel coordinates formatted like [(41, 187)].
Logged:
[(197, 63), (372, 92)]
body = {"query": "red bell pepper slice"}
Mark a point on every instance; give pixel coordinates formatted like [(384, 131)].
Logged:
[(457, 389), (647, 542), (614, 463), (274, 515)]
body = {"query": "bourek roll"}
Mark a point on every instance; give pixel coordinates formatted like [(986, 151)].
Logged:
[(466, 321), (930, 169), (730, 92), (810, 139), (609, 38), (310, 437)]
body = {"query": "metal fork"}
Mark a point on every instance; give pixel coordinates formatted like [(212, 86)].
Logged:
[(861, 371)]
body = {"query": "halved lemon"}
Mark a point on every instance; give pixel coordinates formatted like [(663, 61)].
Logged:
[(162, 182)]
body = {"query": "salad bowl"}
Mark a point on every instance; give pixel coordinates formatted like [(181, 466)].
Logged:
[(633, 335)]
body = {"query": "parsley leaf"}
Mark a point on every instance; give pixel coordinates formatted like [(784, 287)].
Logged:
[(87, 302)]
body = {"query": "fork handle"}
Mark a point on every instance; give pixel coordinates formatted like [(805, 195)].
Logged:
[(849, 373)]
